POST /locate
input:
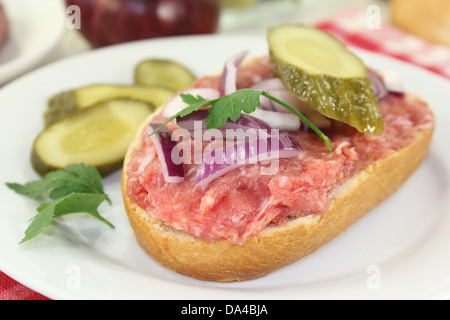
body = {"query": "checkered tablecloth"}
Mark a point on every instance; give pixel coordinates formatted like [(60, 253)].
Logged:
[(355, 26), (10, 289)]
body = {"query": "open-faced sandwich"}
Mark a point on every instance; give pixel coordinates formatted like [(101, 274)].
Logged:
[(250, 170)]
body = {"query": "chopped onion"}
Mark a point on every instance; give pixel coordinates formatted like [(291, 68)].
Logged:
[(229, 73), (269, 84), (378, 85), (276, 88), (162, 140), (245, 122), (285, 95), (393, 81), (278, 120), (176, 104), (222, 160)]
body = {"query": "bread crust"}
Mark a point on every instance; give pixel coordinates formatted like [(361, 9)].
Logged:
[(279, 246), (429, 19)]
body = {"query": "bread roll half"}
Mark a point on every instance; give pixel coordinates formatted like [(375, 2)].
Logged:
[(276, 246)]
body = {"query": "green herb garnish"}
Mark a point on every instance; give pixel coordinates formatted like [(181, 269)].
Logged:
[(231, 106), (76, 188)]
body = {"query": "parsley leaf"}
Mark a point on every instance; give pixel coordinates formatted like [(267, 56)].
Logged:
[(74, 178), (76, 188), (232, 106), (72, 203), (195, 103)]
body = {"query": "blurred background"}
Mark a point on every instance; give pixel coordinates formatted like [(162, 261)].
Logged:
[(33, 33)]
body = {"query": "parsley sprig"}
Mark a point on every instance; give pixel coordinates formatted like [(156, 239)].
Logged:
[(231, 107), (76, 188)]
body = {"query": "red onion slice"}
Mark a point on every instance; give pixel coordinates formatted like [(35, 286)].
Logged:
[(222, 160), (278, 120), (245, 122), (378, 85), (176, 104), (276, 88), (285, 95), (162, 140), (393, 81), (269, 84), (229, 73)]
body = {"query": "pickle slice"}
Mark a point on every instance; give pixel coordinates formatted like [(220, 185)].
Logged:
[(98, 136), (322, 72), (166, 73), (63, 103)]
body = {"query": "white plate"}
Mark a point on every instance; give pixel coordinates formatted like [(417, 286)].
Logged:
[(400, 250), (35, 28)]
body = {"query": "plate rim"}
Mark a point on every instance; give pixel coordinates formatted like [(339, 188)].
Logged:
[(18, 66)]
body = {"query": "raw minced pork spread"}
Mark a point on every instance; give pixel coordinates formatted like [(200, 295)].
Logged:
[(243, 202)]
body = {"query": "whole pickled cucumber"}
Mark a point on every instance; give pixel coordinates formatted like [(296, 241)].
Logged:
[(322, 72)]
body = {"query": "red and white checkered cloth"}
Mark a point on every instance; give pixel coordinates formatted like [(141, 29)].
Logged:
[(10, 289), (354, 27)]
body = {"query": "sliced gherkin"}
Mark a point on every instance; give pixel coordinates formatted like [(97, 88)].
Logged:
[(161, 72), (322, 72), (64, 103), (98, 136)]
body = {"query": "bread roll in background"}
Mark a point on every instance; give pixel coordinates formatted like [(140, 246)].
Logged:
[(428, 19)]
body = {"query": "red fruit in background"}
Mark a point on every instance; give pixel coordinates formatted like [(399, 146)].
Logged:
[(3, 25), (107, 22)]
